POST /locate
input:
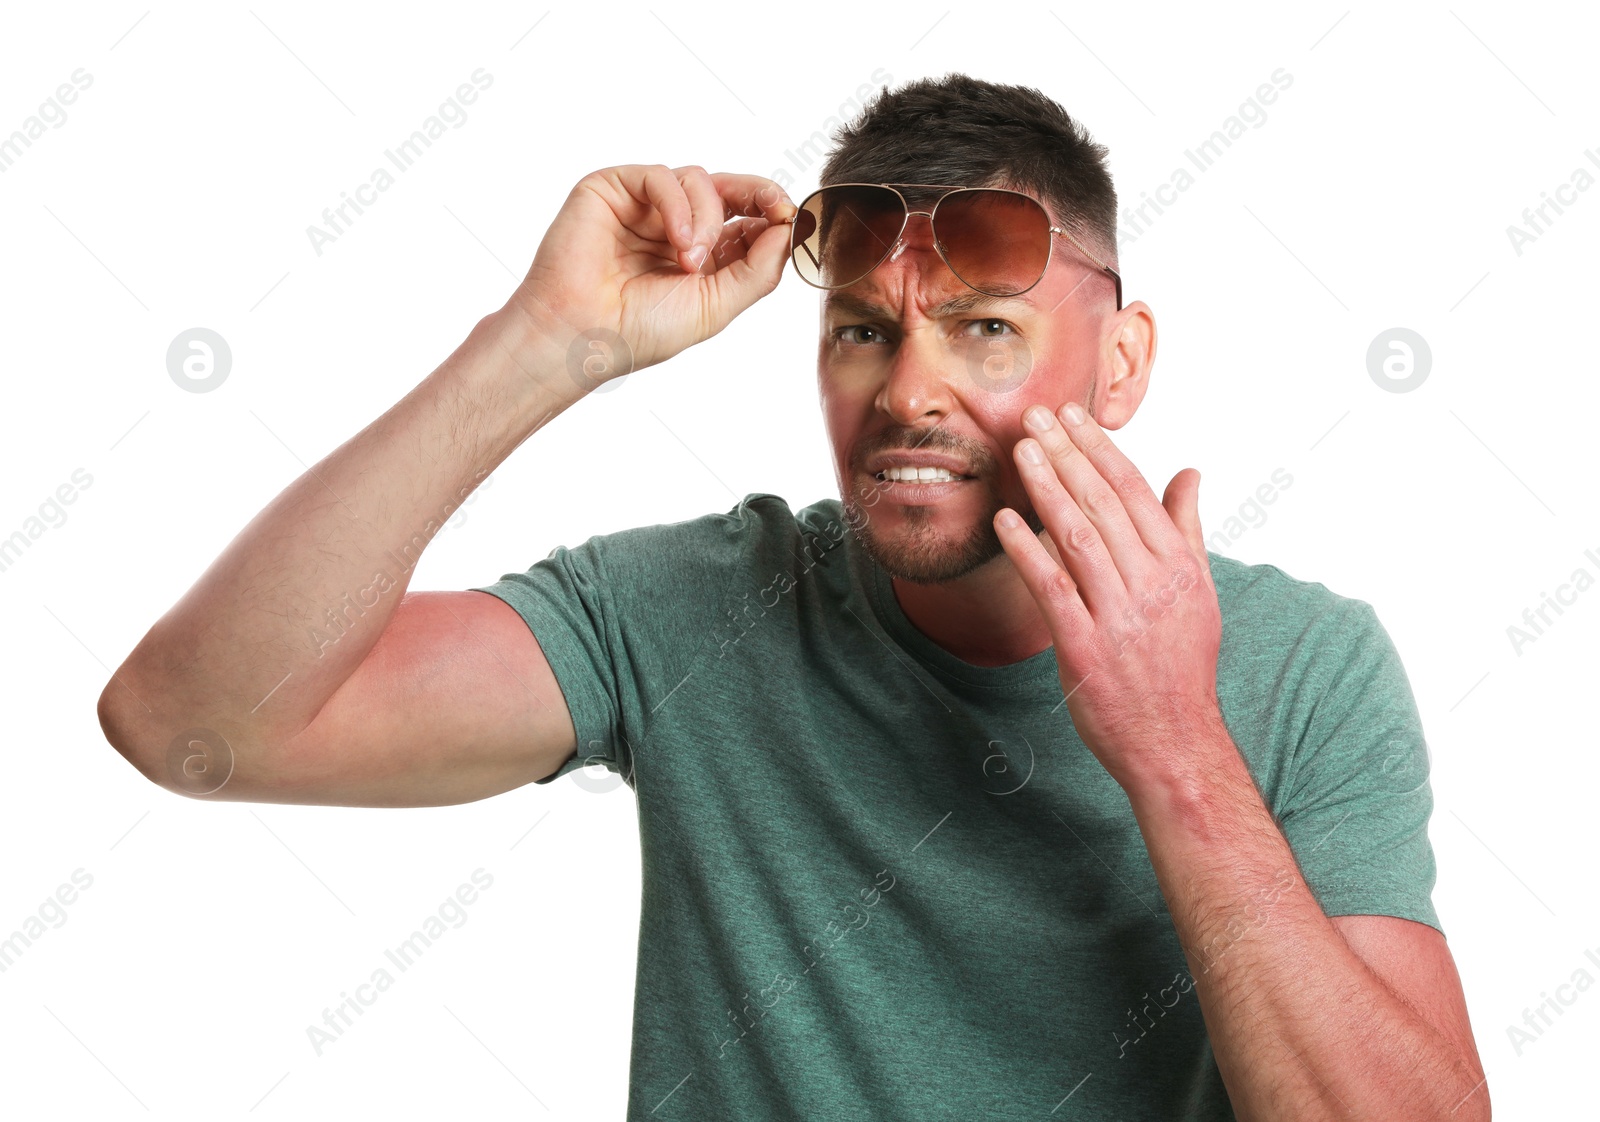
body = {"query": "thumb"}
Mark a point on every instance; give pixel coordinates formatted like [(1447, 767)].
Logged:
[(743, 282), (770, 253), (1182, 503)]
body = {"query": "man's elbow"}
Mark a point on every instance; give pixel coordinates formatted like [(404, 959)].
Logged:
[(113, 727), (121, 728), (1473, 1106)]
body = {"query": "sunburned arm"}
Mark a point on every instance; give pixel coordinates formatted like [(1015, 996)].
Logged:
[(1357, 1017)]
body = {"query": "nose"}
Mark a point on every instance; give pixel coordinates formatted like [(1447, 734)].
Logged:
[(919, 376), (916, 387)]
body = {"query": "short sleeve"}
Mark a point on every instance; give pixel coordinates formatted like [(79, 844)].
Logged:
[(626, 618), (565, 601), (1358, 803)]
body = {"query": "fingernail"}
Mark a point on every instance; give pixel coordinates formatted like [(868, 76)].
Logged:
[(1009, 520), (697, 255), (684, 232), (1038, 417), (1073, 412), (1032, 452)]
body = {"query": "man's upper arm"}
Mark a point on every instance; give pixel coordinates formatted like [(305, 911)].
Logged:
[(1356, 807), (1356, 816), (455, 702)]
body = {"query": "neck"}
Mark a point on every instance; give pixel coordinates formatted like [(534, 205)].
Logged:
[(987, 618)]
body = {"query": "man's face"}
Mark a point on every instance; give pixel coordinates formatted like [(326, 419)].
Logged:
[(915, 368)]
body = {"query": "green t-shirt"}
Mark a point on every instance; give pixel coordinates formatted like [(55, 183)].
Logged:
[(882, 883)]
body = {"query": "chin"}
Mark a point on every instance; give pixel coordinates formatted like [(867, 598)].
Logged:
[(909, 543)]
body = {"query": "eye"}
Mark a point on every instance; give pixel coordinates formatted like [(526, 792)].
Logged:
[(846, 334), (985, 324)]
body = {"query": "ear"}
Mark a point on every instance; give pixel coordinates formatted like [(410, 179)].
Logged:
[(1127, 352)]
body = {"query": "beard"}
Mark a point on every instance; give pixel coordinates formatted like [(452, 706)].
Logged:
[(922, 554)]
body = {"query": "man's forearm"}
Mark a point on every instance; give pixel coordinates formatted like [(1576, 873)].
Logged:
[(295, 602), (1300, 1027)]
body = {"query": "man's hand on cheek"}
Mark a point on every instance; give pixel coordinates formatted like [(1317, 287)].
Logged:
[(1131, 608)]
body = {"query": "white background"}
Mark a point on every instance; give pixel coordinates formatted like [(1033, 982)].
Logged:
[(1377, 194)]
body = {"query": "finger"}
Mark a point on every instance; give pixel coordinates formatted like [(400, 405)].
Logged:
[(738, 236), (661, 189), (754, 196), (709, 212), (1051, 586), (766, 239), (1097, 498), (750, 275), (1182, 504), (1100, 583), (1137, 504)]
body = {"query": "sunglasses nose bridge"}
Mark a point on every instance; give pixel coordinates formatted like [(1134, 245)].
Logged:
[(900, 244)]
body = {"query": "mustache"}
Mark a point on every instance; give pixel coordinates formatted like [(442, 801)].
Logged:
[(935, 439)]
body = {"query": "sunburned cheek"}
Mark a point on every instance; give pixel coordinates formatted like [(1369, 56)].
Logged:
[(993, 366)]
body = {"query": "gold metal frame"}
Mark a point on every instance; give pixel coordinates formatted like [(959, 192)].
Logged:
[(949, 189)]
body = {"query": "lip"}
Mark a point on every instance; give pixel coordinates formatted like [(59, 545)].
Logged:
[(913, 494)]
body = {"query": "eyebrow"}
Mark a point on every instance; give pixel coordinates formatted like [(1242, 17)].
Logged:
[(848, 304)]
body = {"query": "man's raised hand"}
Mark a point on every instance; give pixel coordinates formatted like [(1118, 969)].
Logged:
[(655, 259)]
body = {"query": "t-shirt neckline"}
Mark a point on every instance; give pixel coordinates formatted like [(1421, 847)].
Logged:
[(895, 621)]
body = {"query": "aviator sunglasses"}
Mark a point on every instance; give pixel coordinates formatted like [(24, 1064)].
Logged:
[(994, 240)]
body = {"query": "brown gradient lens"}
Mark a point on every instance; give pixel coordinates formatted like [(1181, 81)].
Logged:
[(996, 241), (843, 232)]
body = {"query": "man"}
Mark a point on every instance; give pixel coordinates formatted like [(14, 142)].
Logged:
[(941, 816)]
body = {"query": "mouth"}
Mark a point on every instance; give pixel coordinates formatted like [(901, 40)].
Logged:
[(919, 475), (916, 486)]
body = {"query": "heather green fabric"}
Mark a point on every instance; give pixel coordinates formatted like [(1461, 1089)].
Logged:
[(883, 883)]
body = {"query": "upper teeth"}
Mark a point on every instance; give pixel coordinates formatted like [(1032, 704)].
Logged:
[(916, 474)]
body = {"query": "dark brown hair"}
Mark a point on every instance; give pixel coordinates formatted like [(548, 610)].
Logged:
[(958, 129)]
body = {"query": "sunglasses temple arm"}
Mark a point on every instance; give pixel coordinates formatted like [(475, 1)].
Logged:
[(1115, 276)]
